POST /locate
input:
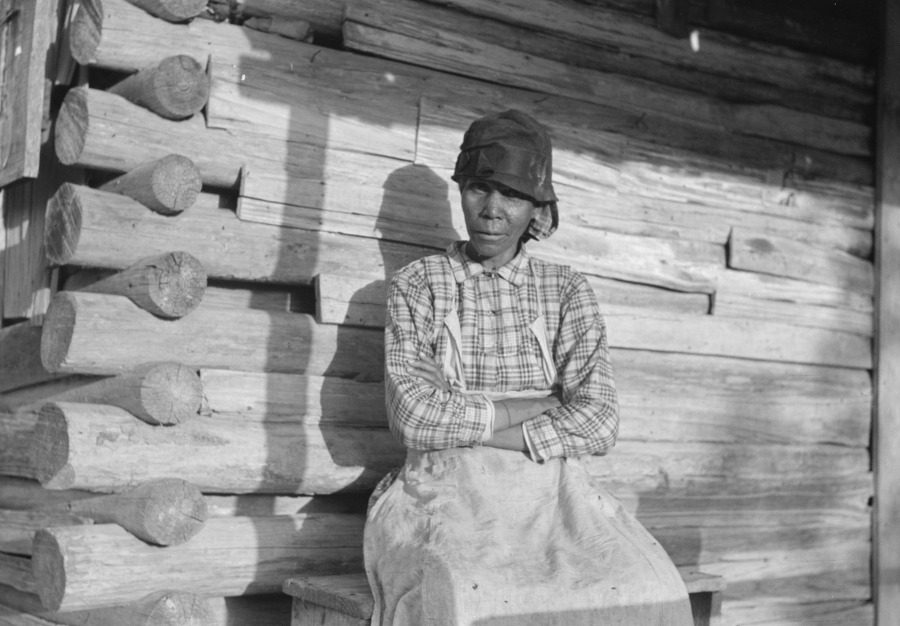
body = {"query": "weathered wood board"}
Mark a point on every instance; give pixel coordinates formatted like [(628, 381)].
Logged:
[(20, 361), (783, 256), (631, 44), (91, 228), (87, 333), (782, 289), (744, 401), (106, 566), (25, 39), (218, 455), (444, 40), (846, 320), (296, 99)]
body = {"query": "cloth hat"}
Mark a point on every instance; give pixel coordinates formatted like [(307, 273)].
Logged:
[(513, 149)]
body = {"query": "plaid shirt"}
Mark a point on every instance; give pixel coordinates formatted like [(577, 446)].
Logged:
[(499, 352)]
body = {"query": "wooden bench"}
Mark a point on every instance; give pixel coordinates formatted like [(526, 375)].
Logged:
[(347, 601)]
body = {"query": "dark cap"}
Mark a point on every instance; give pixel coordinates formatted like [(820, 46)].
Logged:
[(512, 149)]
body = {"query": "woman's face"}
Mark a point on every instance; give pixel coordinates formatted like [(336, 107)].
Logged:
[(496, 218)]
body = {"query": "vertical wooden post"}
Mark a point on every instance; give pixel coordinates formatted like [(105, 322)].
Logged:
[(2, 250), (886, 441)]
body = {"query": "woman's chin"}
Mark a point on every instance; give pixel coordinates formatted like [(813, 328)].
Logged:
[(487, 247)]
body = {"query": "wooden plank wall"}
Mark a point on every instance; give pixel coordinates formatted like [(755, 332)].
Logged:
[(887, 430), (716, 190)]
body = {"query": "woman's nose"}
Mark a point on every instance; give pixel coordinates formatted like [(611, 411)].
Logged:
[(492, 204)]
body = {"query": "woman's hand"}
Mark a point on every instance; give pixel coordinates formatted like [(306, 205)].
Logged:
[(428, 370)]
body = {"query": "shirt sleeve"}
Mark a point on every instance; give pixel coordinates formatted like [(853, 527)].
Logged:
[(588, 420), (420, 416)]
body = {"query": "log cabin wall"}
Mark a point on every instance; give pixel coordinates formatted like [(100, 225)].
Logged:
[(714, 166)]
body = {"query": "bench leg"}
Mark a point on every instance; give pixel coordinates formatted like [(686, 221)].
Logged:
[(706, 608), (305, 614)]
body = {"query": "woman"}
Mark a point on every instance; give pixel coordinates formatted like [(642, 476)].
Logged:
[(497, 379)]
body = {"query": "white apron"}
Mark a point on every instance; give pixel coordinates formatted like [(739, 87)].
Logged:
[(482, 536)]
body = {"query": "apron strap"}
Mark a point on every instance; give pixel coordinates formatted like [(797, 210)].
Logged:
[(539, 328), (452, 364)]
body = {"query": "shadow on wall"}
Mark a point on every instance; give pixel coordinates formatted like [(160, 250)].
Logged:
[(344, 441), (346, 446)]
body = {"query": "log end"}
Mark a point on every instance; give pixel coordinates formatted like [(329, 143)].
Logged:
[(169, 511), (62, 227), (57, 331), (49, 569), (181, 87), (50, 449), (72, 126), (179, 286), (86, 31), (171, 393), (175, 184), (172, 10), (173, 608)]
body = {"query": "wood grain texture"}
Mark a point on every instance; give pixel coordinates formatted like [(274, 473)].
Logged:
[(696, 469), (132, 40), (783, 289), (161, 511), (750, 339), (175, 88), (16, 435), (230, 556), (87, 227), (274, 397), (348, 593), (688, 266), (351, 597), (783, 256), (324, 16), (35, 394), (102, 130), (23, 493), (26, 36), (218, 455), (833, 318), (168, 185), (319, 99), (728, 65), (169, 285), (99, 334), (609, 173), (744, 401), (15, 571), (157, 393), (886, 531), (172, 10), (17, 528), (29, 281), (443, 40), (167, 609)]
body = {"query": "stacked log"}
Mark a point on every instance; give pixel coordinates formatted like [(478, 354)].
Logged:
[(219, 327)]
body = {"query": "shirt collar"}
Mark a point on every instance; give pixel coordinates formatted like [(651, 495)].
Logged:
[(464, 268)]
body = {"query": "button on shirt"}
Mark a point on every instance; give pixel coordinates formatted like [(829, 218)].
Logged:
[(499, 353)]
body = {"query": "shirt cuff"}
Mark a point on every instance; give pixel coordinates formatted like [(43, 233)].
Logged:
[(489, 422), (544, 439), (531, 450)]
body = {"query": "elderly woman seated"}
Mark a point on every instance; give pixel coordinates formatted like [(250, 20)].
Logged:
[(498, 378)]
